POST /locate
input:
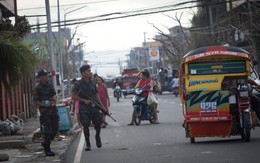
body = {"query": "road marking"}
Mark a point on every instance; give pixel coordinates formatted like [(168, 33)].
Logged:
[(79, 149), (207, 152)]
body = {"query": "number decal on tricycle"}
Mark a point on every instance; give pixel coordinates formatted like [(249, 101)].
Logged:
[(208, 107)]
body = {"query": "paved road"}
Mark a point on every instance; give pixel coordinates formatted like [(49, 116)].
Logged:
[(160, 143)]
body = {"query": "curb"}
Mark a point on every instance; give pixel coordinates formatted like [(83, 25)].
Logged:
[(19, 141), (12, 144)]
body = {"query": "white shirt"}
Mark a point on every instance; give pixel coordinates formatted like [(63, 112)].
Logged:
[(175, 82)]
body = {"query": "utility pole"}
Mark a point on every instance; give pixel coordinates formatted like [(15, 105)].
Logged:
[(50, 41), (145, 52), (60, 51)]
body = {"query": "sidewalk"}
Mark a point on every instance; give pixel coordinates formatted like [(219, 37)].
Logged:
[(27, 147)]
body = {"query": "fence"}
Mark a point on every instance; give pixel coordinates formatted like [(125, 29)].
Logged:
[(18, 100)]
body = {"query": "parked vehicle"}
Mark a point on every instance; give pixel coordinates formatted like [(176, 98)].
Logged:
[(142, 111), (129, 80), (215, 94), (128, 85)]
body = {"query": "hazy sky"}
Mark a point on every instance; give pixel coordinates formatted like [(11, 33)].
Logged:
[(111, 40)]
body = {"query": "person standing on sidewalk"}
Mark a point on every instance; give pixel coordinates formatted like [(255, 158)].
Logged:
[(85, 91), (45, 97), (104, 97), (75, 108)]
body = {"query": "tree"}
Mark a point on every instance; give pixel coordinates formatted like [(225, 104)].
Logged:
[(174, 46), (16, 59)]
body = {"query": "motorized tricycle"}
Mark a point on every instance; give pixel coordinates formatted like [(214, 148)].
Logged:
[(215, 94)]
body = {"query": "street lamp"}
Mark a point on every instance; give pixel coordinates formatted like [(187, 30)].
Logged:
[(71, 12)]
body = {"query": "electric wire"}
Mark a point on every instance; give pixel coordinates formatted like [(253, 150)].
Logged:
[(105, 17)]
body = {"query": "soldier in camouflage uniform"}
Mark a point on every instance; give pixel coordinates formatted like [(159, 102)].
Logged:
[(85, 92)]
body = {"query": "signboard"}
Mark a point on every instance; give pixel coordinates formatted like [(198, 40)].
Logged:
[(154, 53)]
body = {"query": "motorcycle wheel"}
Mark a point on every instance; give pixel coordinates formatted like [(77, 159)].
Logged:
[(175, 91), (117, 98), (137, 117), (151, 117), (246, 130)]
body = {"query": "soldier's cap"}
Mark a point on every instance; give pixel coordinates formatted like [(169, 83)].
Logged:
[(42, 73), (83, 68)]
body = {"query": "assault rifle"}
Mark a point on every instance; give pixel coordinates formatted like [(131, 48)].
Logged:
[(97, 105)]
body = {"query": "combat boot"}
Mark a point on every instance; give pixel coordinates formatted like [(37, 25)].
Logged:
[(88, 146), (98, 141), (47, 150)]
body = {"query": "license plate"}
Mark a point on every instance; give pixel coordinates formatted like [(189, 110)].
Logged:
[(208, 107)]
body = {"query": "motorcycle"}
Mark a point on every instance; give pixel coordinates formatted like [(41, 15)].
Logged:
[(175, 91), (245, 112), (117, 92), (142, 111)]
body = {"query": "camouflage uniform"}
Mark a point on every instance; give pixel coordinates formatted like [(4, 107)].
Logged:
[(87, 113), (49, 118)]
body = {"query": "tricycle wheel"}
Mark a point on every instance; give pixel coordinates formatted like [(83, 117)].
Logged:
[(246, 130), (137, 117), (192, 140)]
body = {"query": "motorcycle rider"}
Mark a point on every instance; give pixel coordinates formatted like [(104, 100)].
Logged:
[(175, 82), (255, 100), (146, 83), (117, 83)]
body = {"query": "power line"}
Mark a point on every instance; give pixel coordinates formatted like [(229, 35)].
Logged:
[(133, 13), (74, 4)]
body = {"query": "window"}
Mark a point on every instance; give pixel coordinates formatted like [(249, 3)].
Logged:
[(253, 74), (130, 79), (216, 67)]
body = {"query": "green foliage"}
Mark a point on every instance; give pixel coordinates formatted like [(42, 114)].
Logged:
[(16, 59), (198, 36), (9, 31), (22, 26)]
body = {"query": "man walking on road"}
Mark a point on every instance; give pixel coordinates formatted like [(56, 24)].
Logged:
[(85, 92), (45, 97)]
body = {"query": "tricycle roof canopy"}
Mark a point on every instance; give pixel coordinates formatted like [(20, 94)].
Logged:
[(216, 50)]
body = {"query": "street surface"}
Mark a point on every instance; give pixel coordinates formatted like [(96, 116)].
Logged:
[(158, 143)]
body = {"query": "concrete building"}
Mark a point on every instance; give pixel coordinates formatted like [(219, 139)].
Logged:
[(8, 8)]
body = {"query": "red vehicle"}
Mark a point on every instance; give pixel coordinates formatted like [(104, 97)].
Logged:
[(129, 80)]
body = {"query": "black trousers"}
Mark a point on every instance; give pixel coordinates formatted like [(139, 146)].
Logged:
[(88, 115), (49, 127)]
